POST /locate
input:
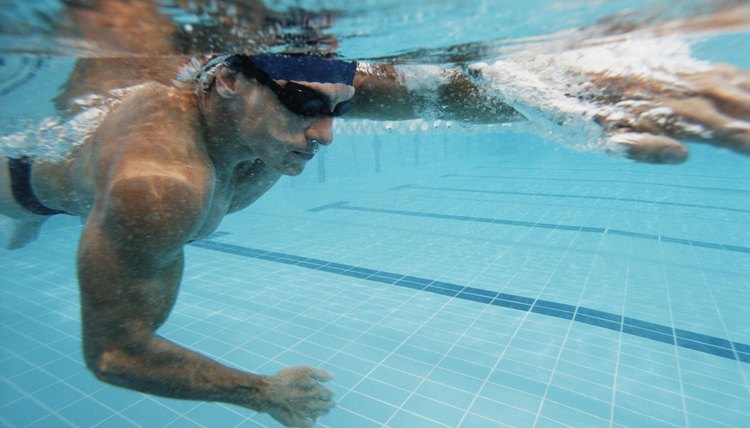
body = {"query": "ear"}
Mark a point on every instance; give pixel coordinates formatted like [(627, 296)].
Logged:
[(226, 82)]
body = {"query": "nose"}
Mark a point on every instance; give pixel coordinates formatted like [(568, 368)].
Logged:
[(320, 129)]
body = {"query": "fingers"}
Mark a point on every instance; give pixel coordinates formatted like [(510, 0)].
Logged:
[(298, 397), (648, 148), (320, 375), (309, 416), (302, 375), (710, 107), (726, 131), (727, 87)]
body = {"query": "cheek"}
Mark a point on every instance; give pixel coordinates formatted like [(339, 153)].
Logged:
[(286, 127)]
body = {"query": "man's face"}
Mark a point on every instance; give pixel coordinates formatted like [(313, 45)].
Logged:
[(284, 140)]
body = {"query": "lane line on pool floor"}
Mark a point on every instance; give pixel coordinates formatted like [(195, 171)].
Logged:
[(345, 205), (568, 196), (661, 333)]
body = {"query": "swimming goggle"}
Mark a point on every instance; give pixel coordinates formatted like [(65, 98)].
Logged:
[(298, 99)]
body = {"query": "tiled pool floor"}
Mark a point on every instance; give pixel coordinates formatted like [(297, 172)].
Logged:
[(505, 294)]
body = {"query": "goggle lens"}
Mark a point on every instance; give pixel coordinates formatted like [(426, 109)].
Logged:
[(308, 102)]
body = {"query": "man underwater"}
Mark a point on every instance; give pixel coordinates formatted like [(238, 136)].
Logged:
[(166, 165)]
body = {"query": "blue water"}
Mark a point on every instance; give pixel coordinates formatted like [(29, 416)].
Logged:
[(446, 279)]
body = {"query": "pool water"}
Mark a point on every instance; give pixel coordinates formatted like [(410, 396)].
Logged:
[(479, 280), (471, 278)]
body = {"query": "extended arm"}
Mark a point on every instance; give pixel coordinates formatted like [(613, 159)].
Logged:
[(388, 92), (641, 88), (710, 106), (130, 264)]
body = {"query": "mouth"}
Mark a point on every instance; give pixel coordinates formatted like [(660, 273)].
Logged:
[(303, 155)]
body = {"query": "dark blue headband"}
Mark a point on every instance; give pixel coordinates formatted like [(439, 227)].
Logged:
[(303, 68)]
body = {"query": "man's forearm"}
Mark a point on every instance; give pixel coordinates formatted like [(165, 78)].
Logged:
[(158, 366), (387, 92)]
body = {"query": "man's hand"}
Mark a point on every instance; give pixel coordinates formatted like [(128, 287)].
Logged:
[(297, 398), (711, 107)]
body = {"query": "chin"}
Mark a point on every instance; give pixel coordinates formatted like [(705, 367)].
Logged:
[(292, 170)]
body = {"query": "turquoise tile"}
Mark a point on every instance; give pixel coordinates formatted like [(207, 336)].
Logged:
[(397, 378), (518, 382), (214, 414), (445, 394), (593, 408), (244, 360), (408, 365), (251, 423), (511, 397), (419, 354), (588, 382), (507, 414), (365, 352), (544, 422), (665, 393), (527, 368), (212, 347), (328, 340), (445, 414), (23, 411), (57, 421), (292, 358), (86, 413), (382, 391), (654, 410), (457, 380), (352, 363), (277, 338), (465, 367), (118, 399), (41, 355), (475, 421), (737, 402), (150, 412), (184, 422), (33, 380), (14, 366), (474, 355), (368, 407), (340, 417), (634, 418), (726, 412), (408, 419), (59, 393)]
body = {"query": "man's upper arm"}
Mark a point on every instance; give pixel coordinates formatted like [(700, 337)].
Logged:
[(380, 96), (130, 257), (152, 214)]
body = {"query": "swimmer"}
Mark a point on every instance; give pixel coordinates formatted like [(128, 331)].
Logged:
[(162, 169), (167, 164)]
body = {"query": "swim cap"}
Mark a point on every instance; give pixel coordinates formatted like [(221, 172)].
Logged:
[(305, 68)]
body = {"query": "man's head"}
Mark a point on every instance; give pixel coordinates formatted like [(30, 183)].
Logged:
[(298, 72), (280, 106)]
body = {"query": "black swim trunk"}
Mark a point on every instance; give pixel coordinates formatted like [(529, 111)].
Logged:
[(20, 180)]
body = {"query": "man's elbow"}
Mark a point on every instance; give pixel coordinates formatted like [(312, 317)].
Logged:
[(115, 363), (104, 364)]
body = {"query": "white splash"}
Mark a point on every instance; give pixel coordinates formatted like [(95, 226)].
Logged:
[(54, 138), (552, 85)]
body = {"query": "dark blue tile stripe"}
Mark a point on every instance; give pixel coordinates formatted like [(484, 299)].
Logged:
[(566, 196), (661, 333), (589, 181), (562, 227)]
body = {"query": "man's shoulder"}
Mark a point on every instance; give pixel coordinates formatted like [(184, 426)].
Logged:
[(152, 124), (155, 96)]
